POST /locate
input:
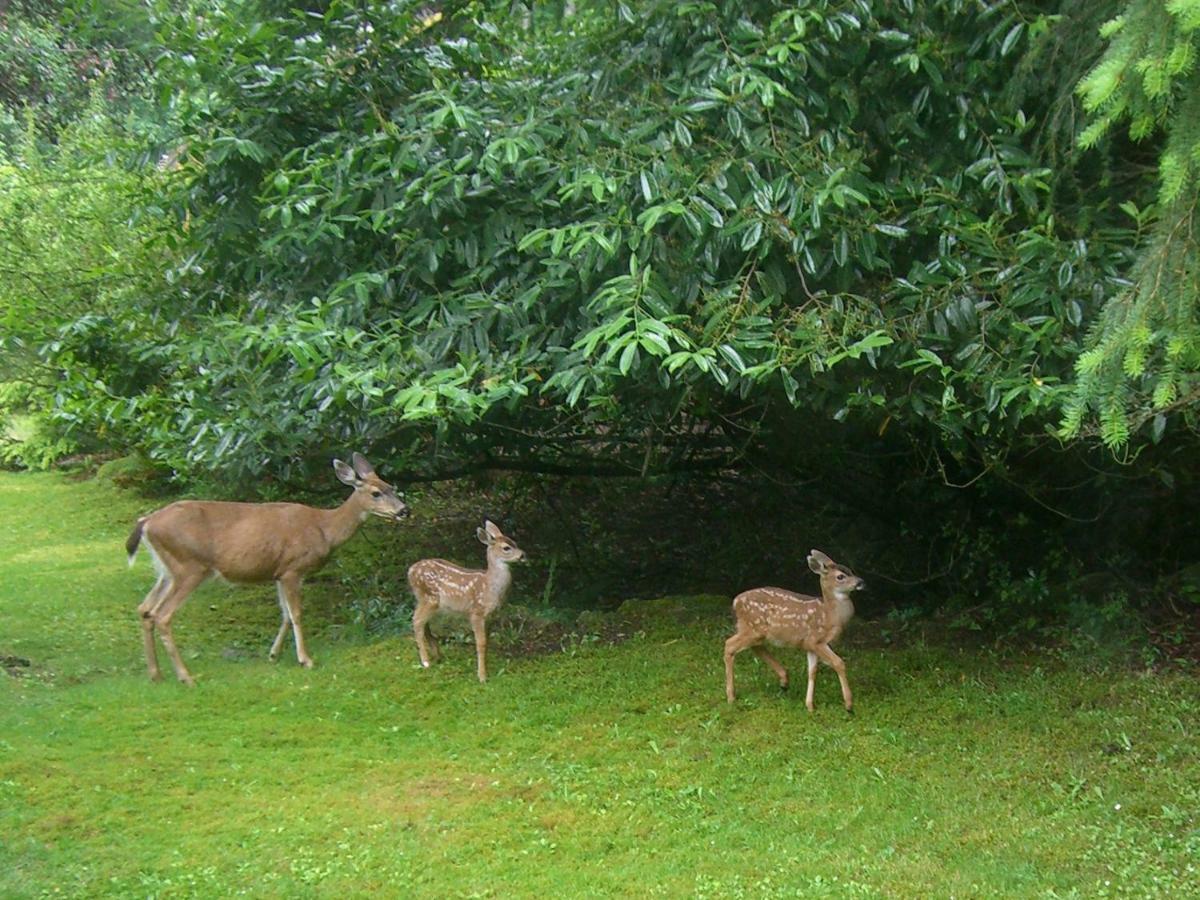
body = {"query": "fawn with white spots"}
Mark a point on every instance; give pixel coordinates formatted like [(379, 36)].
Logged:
[(441, 586), (249, 543), (785, 619)]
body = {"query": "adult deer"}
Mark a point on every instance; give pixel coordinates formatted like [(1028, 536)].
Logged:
[(249, 543), (441, 586), (780, 617)]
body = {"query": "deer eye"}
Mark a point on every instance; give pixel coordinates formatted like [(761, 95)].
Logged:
[(376, 493), (841, 576), (505, 547)]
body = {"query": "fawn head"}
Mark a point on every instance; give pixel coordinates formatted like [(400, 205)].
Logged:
[(499, 547), (378, 497), (835, 579)]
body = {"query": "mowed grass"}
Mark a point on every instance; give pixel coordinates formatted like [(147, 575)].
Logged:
[(600, 770)]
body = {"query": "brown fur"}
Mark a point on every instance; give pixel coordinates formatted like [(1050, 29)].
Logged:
[(786, 619), (249, 543), (441, 586)]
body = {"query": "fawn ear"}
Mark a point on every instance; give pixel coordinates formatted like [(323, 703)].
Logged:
[(361, 467), (818, 561), (484, 537), (345, 474), (491, 529)]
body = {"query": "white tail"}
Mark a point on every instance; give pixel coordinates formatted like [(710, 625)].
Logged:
[(249, 543), (780, 617), (441, 586)]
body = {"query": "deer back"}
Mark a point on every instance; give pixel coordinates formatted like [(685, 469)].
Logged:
[(783, 617), (453, 588), (246, 542), (253, 542), (798, 620), (446, 585)]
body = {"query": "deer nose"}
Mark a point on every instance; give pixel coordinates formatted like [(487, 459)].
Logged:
[(402, 513)]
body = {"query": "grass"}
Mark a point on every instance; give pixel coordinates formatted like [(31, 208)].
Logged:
[(606, 769)]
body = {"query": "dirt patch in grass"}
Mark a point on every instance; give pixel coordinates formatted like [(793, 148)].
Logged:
[(540, 637), (517, 632), (399, 794), (17, 666), (1178, 638)]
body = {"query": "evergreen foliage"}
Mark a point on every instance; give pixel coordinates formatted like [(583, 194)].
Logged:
[(1143, 358)]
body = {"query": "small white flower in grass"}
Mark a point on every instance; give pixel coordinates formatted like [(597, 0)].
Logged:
[(1116, 806)]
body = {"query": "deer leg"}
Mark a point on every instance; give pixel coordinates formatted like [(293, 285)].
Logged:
[(835, 662), (735, 645), (780, 672), (812, 680), (432, 644), (289, 588), (165, 610), (421, 616), (479, 626), (284, 625), (146, 613)]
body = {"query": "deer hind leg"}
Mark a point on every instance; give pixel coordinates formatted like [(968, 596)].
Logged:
[(780, 672), (421, 616), (812, 680), (146, 614), (835, 662), (740, 641), (289, 593), (284, 625), (164, 610), (479, 626), (435, 651)]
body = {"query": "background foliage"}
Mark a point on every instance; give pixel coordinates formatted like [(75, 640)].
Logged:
[(909, 265)]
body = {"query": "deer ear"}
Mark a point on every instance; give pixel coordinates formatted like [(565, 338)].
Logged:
[(818, 561), (345, 474), (492, 530), (483, 536), (361, 466)]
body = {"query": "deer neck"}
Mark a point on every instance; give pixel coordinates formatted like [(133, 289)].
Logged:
[(840, 606), (341, 522), (497, 580)]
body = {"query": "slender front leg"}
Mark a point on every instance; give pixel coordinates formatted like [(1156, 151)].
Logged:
[(479, 626), (835, 662), (289, 587)]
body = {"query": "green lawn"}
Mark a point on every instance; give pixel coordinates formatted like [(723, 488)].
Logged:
[(608, 769)]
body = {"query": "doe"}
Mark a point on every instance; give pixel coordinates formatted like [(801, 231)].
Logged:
[(441, 586), (785, 619), (249, 543)]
